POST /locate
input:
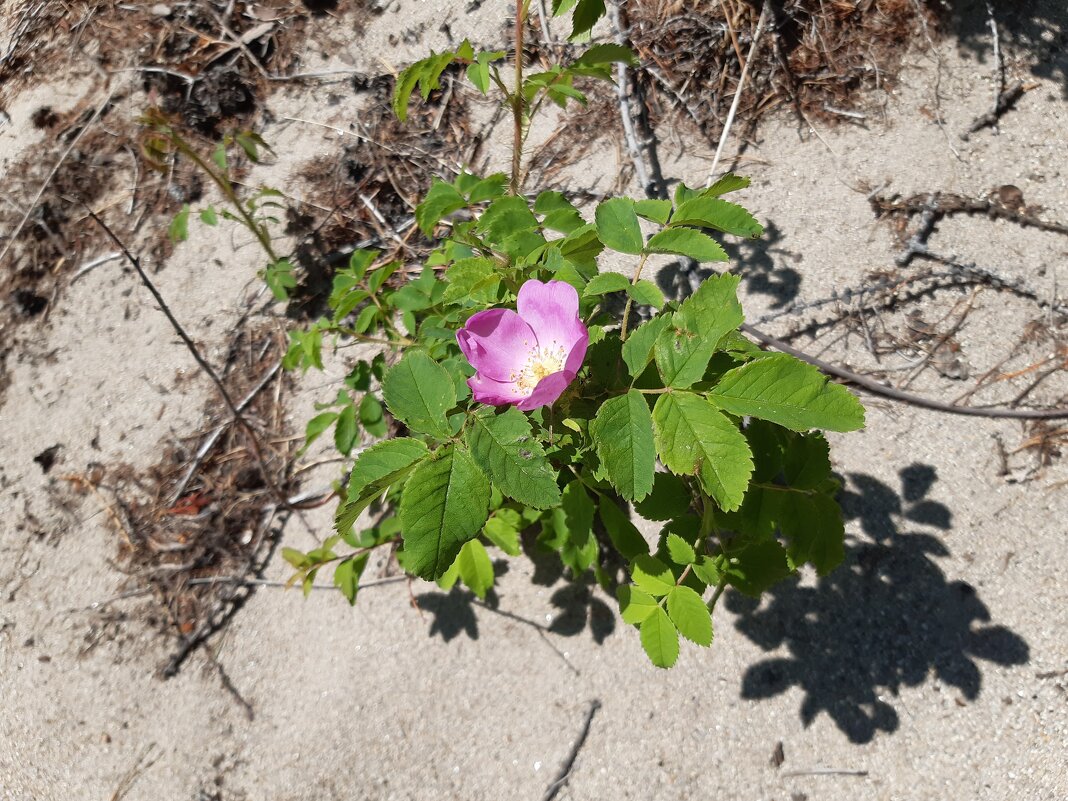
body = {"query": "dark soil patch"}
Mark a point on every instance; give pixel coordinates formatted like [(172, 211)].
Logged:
[(191, 523), (818, 57)]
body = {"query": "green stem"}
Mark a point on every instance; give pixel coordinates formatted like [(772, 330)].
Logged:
[(715, 596), (231, 196), (518, 103), (630, 300)]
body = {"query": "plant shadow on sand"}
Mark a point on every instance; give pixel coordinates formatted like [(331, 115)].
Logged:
[(1038, 27), (885, 619), (753, 259), (576, 606)]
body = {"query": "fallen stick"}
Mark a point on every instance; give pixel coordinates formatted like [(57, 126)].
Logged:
[(213, 437), (738, 92), (239, 418), (1006, 100)]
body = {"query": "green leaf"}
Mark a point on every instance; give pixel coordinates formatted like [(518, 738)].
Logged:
[(807, 462), (317, 425), (208, 216), (502, 529), (813, 526), (617, 225), (445, 504), (656, 210), (651, 575), (490, 187), (680, 551), (570, 529), (218, 155), (727, 183), (178, 231), (346, 431), (476, 569), (608, 53), (670, 498), (375, 470), (372, 418), (687, 242), (475, 279), (707, 569), (646, 293), (505, 217), (505, 448), (634, 605), (624, 535), (419, 392), (402, 92), (623, 434), (280, 279), (690, 615), (603, 283), (693, 437), (478, 71), (442, 199), (789, 392), (757, 567), (638, 349), (701, 321), (347, 575), (711, 212), (297, 559), (250, 143), (660, 639)]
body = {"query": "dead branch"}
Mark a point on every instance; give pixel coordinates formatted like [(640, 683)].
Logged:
[(239, 418), (878, 388), (1005, 204), (1006, 101)]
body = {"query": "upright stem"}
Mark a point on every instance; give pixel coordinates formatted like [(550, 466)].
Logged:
[(630, 301), (518, 103), (231, 196)]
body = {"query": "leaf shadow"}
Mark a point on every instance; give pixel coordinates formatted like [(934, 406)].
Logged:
[(1036, 27), (887, 618), (753, 259), (577, 606)]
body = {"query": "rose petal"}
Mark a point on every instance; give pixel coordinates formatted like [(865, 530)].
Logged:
[(547, 391), (494, 393), (551, 311), (497, 342), (578, 352)]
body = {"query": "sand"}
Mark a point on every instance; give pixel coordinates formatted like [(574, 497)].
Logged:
[(933, 664)]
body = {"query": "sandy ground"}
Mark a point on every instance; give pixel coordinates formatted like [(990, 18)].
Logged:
[(932, 665)]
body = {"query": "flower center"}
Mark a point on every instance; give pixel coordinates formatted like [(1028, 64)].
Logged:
[(541, 362)]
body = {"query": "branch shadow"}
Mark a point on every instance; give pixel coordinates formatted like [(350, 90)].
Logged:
[(885, 619), (1039, 27), (753, 259)]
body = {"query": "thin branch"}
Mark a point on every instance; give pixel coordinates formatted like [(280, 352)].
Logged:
[(200, 360), (738, 92), (877, 388), (213, 437)]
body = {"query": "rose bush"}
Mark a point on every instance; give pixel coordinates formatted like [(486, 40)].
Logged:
[(531, 418)]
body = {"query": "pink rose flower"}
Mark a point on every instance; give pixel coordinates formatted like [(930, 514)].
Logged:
[(526, 358)]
